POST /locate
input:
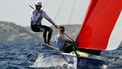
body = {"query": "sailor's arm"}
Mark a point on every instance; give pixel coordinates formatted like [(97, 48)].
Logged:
[(49, 19), (69, 41)]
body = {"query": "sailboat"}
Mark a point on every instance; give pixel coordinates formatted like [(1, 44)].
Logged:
[(101, 30)]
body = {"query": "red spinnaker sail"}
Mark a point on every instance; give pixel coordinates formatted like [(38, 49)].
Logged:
[(100, 20)]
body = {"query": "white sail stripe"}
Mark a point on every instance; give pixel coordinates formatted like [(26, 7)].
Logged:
[(116, 36)]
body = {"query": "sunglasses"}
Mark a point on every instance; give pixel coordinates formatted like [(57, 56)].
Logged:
[(62, 30), (38, 5)]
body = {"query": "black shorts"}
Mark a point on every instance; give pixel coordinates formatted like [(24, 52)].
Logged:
[(38, 28)]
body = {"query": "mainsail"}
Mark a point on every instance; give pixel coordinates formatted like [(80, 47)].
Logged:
[(101, 29)]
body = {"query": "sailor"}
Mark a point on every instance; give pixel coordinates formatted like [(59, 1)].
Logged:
[(62, 43), (37, 15)]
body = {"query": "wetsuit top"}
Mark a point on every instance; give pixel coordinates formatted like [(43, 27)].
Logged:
[(37, 17), (60, 40)]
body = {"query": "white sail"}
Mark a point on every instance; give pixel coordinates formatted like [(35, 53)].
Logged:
[(116, 35)]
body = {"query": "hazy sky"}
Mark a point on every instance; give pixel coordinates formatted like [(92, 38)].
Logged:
[(19, 12)]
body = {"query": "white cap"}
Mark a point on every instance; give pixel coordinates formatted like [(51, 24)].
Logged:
[(38, 3)]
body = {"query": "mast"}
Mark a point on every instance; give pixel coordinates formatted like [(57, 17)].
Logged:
[(99, 24)]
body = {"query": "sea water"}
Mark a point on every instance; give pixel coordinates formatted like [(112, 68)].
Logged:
[(21, 54)]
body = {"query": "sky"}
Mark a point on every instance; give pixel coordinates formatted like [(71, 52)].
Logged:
[(61, 11)]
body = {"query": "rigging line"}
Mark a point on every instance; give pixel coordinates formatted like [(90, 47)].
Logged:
[(73, 5), (59, 10), (81, 22), (72, 8), (69, 37), (45, 4)]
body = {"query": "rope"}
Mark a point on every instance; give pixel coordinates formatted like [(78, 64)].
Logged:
[(74, 47), (69, 37), (72, 8), (57, 15), (59, 10), (70, 15), (45, 4)]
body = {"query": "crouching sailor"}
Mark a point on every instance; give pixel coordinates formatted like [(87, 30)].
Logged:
[(62, 43)]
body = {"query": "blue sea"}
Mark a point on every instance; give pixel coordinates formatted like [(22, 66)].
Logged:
[(23, 53)]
